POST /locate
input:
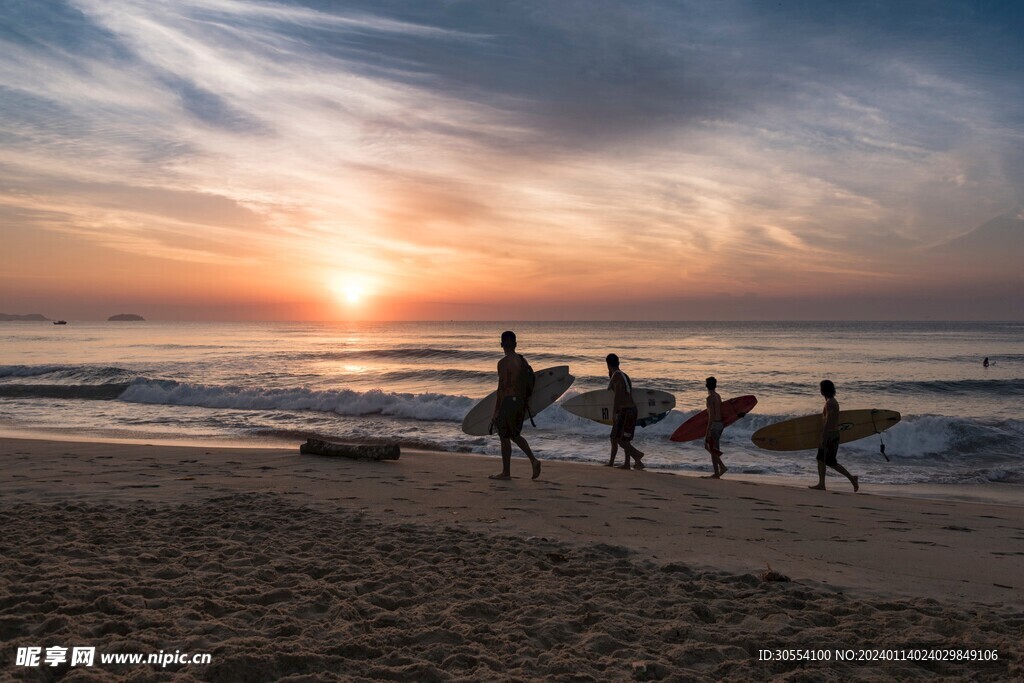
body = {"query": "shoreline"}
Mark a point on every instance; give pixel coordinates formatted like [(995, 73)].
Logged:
[(998, 493)]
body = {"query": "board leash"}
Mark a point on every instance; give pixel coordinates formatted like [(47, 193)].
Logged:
[(881, 440)]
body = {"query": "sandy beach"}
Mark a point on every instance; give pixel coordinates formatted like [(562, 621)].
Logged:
[(289, 567)]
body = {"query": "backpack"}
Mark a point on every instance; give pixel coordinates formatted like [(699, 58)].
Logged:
[(527, 379)]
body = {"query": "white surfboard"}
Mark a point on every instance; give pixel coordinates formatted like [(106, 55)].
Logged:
[(598, 405), (551, 383)]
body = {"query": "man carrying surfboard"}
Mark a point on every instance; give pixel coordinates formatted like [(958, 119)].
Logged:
[(713, 436), (830, 438), (624, 413), (514, 387)]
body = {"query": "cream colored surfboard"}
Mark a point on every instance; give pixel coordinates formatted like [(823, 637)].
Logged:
[(804, 433), (597, 405), (551, 383)]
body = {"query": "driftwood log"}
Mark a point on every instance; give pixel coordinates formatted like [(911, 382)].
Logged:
[(358, 451)]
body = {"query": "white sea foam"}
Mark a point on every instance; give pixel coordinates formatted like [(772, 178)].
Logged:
[(342, 402)]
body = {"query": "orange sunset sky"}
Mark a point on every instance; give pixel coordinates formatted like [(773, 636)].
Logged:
[(525, 160)]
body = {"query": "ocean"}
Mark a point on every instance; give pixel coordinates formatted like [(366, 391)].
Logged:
[(275, 383)]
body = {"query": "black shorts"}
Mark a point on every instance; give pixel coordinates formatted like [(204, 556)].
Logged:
[(509, 421), (624, 424), (827, 453)]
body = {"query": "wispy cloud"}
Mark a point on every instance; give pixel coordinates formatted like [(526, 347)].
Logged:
[(586, 149)]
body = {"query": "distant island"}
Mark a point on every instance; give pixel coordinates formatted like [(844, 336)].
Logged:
[(29, 316), (126, 317)]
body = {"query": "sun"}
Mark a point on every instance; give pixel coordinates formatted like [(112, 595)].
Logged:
[(349, 290), (353, 293)]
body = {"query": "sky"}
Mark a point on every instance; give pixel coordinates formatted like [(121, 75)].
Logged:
[(405, 159)]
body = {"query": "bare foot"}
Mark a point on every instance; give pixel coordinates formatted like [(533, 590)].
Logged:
[(639, 466), (609, 464), (856, 483), (716, 475), (500, 477), (625, 467), (817, 487), (536, 469)]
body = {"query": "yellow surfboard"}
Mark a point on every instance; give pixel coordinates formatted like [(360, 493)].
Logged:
[(803, 433)]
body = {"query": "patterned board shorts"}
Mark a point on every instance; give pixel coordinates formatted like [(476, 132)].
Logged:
[(624, 424)]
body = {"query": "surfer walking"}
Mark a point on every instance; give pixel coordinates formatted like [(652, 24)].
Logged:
[(514, 387), (624, 414), (713, 436), (829, 447)]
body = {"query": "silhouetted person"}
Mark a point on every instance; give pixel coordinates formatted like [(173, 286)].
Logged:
[(830, 437), (713, 436), (510, 406), (624, 414)]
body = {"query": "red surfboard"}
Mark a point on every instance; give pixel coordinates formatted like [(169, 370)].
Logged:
[(697, 426)]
